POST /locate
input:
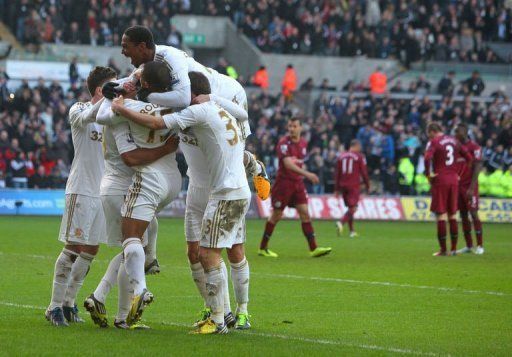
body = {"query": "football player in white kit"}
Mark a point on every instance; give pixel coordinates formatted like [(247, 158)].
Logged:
[(218, 136), (153, 185), (83, 223), (114, 187)]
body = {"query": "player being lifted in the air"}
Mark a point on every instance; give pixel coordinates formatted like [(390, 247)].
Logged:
[(441, 157), (289, 189), (138, 44), (350, 169), (83, 222), (218, 136), (468, 190)]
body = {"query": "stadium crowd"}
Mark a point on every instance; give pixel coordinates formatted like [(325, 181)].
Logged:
[(36, 149), (408, 30)]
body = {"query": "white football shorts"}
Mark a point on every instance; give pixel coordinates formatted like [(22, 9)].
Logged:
[(149, 193), (224, 223), (83, 221), (196, 202)]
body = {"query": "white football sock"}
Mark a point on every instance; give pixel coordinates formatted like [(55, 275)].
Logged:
[(225, 290), (199, 279), (79, 270), (134, 263), (125, 294), (109, 280), (61, 276), (214, 288), (150, 248), (240, 279)]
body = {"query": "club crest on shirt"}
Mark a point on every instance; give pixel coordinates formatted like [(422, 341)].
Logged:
[(277, 204), (284, 148), (79, 233)]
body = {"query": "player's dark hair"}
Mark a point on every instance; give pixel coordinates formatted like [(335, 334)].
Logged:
[(138, 34), (157, 75), (354, 142), (98, 76), (435, 127), (199, 83), (297, 119), (463, 126)]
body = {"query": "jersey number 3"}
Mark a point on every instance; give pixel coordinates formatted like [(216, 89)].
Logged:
[(449, 155)]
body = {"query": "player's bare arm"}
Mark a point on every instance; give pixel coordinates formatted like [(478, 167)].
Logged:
[(146, 120), (145, 156), (290, 165)]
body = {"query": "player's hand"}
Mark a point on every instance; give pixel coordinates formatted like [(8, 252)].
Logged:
[(172, 143), (129, 87), (202, 98), (118, 104), (313, 178)]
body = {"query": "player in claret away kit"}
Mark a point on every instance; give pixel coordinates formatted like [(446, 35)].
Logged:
[(289, 189), (441, 158), (468, 191), (350, 169)]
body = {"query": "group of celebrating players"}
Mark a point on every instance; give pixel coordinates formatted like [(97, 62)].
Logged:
[(125, 171)]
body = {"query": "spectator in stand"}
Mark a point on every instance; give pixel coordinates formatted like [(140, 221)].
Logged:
[(308, 85), (222, 66), (40, 179), (74, 77), (378, 81), (289, 84), (260, 78), (19, 177), (446, 85), (475, 84)]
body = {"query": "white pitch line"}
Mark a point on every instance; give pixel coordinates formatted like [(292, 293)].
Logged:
[(317, 278), (278, 336), (383, 283), (323, 341)]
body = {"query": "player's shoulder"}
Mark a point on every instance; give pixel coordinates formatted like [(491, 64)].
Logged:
[(283, 140), (164, 51), (79, 107)]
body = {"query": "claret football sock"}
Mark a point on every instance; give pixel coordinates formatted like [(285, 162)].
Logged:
[(109, 280), (454, 233), (309, 233), (441, 235), (61, 276), (134, 258), (466, 227), (269, 229), (79, 271), (478, 231), (240, 279)]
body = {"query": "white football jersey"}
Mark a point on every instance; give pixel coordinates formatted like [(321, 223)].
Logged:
[(118, 176), (142, 137), (197, 171), (177, 63), (180, 63), (88, 166), (218, 136)]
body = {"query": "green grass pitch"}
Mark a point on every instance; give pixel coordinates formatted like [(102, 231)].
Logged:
[(380, 294)]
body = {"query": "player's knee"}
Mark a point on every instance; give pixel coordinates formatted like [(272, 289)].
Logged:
[(276, 216), (236, 254), (193, 252), (304, 216), (475, 216), (90, 249)]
